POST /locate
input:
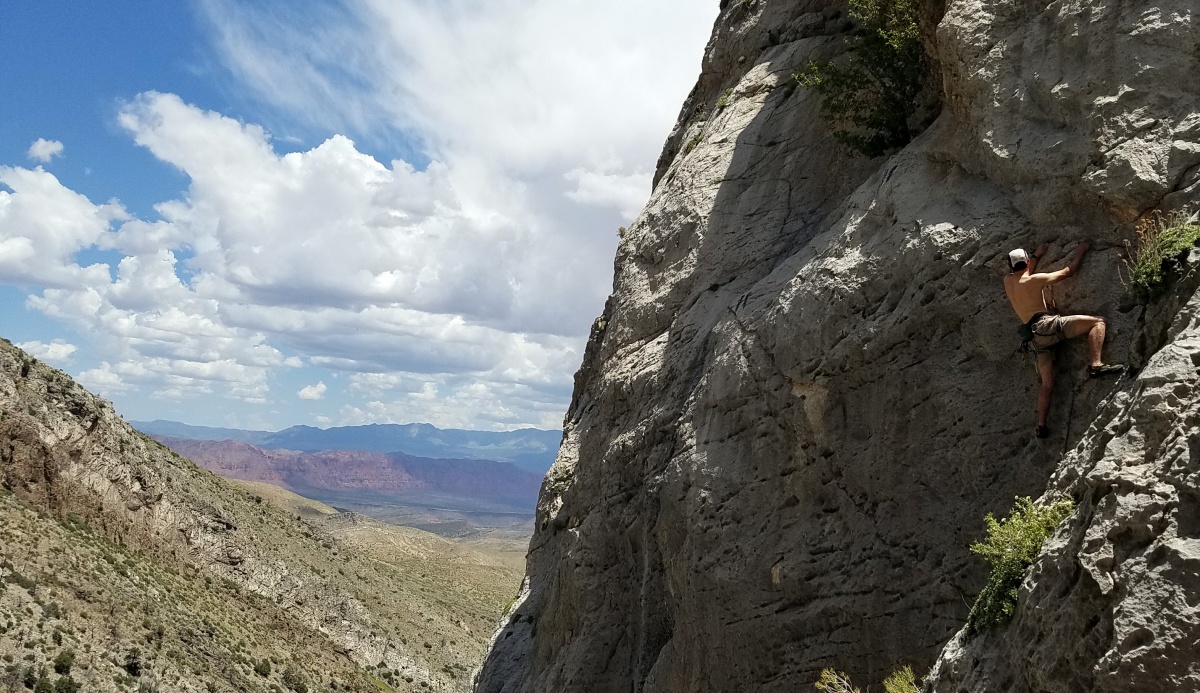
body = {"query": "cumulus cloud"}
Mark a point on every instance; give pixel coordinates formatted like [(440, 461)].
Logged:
[(44, 150), (458, 290), (356, 265), (56, 351), (43, 224)]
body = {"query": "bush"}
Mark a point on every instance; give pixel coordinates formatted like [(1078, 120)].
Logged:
[(723, 100), (133, 663), (874, 96), (1011, 546), (64, 661), (263, 668), (902, 681), (1161, 242), (832, 681), (293, 679)]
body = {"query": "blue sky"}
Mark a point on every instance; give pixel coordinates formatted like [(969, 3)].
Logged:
[(327, 213)]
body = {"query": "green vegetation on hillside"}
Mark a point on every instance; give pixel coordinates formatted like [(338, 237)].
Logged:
[(125, 567), (1161, 243), (1012, 545), (872, 97), (78, 608)]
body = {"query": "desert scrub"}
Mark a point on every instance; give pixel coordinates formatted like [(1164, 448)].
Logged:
[(1161, 243), (873, 97), (833, 681), (900, 681), (1011, 546)]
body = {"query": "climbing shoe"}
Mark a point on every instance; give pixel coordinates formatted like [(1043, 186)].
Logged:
[(1041, 432), (1103, 370)]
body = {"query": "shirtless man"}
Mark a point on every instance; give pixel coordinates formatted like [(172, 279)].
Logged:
[(1025, 287)]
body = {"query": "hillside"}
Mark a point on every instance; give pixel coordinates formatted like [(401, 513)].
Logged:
[(803, 395), (159, 575)]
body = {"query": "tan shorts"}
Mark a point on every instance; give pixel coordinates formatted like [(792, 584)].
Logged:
[(1049, 330)]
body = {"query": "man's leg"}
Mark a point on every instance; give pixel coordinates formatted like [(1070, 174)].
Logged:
[(1045, 367), (1094, 327)]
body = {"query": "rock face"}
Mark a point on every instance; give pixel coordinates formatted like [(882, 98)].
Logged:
[(1111, 604), (803, 396)]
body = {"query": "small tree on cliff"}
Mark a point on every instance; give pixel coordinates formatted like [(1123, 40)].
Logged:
[(874, 95)]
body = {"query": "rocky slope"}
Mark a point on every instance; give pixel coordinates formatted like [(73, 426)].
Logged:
[(803, 396), (158, 575)]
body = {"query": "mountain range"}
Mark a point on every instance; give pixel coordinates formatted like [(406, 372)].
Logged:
[(528, 448), (355, 477)]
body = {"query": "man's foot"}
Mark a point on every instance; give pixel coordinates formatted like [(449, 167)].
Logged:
[(1041, 431), (1104, 369)]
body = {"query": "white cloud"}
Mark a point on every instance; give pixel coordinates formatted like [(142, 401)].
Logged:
[(102, 380), (356, 265), (522, 83), (57, 351), (625, 192), (458, 291), (44, 150), (43, 224)]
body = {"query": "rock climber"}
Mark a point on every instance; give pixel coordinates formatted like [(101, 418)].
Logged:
[(1044, 328)]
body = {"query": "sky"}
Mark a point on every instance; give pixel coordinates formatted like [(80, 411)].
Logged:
[(328, 212)]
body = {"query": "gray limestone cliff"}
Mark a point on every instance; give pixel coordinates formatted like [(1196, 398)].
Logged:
[(803, 396)]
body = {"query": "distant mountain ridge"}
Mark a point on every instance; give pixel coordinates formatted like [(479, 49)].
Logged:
[(529, 448), (481, 483)]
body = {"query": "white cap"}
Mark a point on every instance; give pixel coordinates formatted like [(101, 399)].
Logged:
[(1016, 257)]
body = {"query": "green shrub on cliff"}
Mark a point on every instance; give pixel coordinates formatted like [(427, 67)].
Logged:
[(873, 96), (833, 681), (1161, 241), (899, 681), (1011, 546)]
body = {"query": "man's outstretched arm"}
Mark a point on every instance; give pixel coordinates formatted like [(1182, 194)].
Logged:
[(1037, 257), (1070, 269)]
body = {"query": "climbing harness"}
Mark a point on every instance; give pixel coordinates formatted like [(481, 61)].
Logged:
[(1026, 332)]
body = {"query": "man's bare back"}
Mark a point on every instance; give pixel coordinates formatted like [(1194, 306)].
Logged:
[(1025, 289)]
